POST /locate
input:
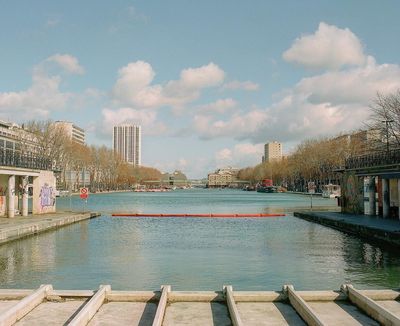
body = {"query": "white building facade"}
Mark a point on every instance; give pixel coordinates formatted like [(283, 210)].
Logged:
[(272, 152), (127, 142), (74, 132)]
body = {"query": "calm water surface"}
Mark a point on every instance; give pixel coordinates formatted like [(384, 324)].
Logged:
[(195, 253)]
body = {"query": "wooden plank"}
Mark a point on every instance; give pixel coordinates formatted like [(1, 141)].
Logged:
[(23, 307), (370, 307), (162, 305), (302, 308), (233, 310), (91, 307)]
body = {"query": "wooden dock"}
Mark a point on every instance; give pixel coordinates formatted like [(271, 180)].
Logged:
[(104, 306)]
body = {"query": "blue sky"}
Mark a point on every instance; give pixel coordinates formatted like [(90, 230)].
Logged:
[(209, 81)]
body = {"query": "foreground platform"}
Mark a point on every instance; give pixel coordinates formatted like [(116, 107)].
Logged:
[(348, 306)]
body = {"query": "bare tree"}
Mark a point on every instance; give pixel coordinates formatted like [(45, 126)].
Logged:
[(385, 117), (50, 140)]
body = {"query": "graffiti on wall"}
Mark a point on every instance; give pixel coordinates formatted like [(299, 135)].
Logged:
[(47, 196), (352, 194)]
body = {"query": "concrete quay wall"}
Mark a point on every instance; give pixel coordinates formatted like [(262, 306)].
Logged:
[(382, 231), (13, 229)]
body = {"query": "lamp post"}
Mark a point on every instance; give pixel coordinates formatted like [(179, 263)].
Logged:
[(387, 133)]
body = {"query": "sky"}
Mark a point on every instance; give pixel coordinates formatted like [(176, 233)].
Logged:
[(210, 82)]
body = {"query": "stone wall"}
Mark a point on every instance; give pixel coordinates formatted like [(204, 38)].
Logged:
[(352, 194), (44, 193)]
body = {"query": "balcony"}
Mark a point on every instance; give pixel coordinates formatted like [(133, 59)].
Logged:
[(17, 160), (374, 160)]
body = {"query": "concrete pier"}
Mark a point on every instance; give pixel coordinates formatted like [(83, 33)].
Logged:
[(19, 227), (375, 229), (347, 306)]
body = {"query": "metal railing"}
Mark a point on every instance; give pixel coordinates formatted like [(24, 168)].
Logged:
[(376, 159), (28, 161)]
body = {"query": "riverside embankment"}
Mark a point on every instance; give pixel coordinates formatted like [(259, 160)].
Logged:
[(374, 229), (19, 227)]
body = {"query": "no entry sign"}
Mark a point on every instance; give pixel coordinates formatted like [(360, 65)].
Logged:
[(84, 193)]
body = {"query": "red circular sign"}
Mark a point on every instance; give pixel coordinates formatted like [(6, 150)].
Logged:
[(84, 193)]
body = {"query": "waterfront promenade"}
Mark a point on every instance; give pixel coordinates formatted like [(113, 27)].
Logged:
[(371, 228), (19, 227)]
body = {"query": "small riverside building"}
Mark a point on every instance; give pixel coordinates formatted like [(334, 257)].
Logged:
[(22, 175), (175, 179), (223, 178), (371, 184)]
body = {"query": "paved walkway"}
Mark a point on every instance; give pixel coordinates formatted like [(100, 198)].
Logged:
[(18, 227), (370, 227)]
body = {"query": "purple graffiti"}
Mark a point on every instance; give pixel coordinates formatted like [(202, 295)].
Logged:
[(47, 197)]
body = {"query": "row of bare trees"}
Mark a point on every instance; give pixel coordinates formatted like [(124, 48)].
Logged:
[(313, 160), (106, 169), (318, 160)]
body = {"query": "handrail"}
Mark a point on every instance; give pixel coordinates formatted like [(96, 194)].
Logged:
[(376, 159), (17, 159)]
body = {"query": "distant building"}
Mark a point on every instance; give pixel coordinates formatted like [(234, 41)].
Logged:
[(272, 152), (177, 178), (223, 178), (9, 136), (75, 133), (363, 141), (127, 142)]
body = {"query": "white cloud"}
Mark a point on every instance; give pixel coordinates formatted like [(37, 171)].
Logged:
[(328, 47), (220, 106), (238, 126), (202, 77), (68, 62), (147, 119), (44, 95), (241, 155), (134, 88), (245, 85), (181, 164), (324, 104)]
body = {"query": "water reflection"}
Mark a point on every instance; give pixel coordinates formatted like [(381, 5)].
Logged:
[(193, 253)]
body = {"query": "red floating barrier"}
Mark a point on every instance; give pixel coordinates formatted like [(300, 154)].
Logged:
[(196, 215)]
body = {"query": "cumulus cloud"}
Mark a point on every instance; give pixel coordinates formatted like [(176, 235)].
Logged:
[(328, 103), (220, 106), (239, 125), (329, 47), (134, 85), (146, 118), (241, 155), (181, 164), (44, 95), (324, 104), (245, 85), (68, 62)]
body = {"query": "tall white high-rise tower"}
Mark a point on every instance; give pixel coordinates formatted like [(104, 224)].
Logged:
[(127, 142)]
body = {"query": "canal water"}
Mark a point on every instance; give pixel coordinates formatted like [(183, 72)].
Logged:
[(196, 253)]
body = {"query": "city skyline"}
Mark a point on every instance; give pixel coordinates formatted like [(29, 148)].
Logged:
[(208, 93)]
